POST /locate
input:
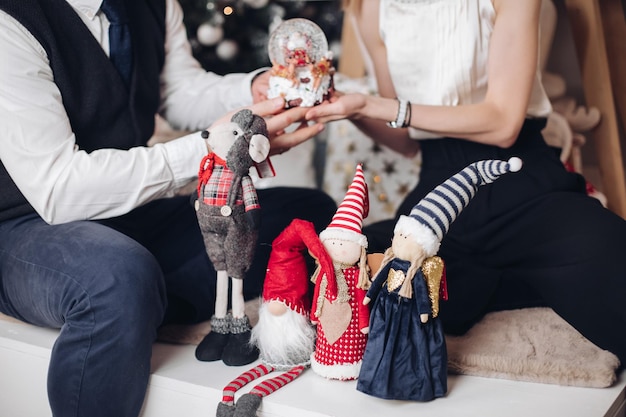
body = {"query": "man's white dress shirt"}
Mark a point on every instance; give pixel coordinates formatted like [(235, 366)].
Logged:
[(38, 147)]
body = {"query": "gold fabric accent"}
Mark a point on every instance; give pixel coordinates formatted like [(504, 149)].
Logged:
[(433, 272), (343, 294), (395, 279), (321, 296)]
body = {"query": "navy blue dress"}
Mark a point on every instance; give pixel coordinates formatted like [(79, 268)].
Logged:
[(532, 238), (404, 358)]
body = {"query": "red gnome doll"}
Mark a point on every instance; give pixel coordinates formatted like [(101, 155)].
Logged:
[(284, 334), (342, 319)]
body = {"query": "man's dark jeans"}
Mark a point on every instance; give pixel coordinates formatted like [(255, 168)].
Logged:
[(107, 284)]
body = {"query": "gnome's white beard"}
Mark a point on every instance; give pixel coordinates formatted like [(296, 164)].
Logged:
[(284, 341)]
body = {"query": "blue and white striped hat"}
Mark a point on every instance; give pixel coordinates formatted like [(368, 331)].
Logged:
[(430, 219)]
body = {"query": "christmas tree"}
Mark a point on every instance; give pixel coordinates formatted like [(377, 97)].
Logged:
[(231, 35)]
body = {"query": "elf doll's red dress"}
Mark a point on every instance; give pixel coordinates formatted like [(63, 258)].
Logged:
[(341, 316)]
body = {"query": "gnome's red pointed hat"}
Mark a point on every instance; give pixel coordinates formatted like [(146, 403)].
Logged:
[(347, 222), (287, 276)]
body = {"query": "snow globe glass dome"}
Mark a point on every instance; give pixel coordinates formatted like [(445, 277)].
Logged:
[(297, 34)]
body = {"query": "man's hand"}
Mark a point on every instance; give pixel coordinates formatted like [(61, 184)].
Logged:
[(278, 119), (281, 140), (260, 85)]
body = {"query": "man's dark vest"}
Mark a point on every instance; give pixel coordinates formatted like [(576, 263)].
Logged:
[(103, 113)]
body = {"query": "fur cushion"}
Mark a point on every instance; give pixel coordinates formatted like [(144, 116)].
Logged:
[(534, 345)]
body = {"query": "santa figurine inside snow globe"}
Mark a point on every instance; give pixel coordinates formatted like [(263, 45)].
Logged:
[(302, 70)]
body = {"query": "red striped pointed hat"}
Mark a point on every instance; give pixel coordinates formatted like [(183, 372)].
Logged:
[(348, 220)]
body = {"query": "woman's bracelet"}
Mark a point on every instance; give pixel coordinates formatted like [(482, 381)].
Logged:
[(403, 118)]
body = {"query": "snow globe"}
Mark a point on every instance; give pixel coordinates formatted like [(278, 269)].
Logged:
[(302, 71)]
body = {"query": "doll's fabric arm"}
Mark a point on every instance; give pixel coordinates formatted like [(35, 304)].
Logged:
[(251, 203), (420, 293), (325, 269), (250, 198), (362, 310), (316, 294)]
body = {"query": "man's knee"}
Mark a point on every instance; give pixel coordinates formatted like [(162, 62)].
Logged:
[(123, 287)]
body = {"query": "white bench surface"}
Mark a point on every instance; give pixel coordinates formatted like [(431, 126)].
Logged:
[(182, 386)]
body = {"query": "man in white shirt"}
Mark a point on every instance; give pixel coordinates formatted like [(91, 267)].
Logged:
[(93, 239)]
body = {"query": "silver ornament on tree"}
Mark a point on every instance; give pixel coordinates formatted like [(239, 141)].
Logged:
[(256, 4), (227, 49), (209, 34)]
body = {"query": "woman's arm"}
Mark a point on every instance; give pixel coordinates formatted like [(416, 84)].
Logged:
[(496, 120), (366, 23)]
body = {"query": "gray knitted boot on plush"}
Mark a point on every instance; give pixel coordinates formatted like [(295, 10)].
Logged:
[(238, 350), (247, 405), (225, 410), (212, 346)]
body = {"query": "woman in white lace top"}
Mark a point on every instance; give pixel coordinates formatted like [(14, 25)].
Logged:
[(459, 81)]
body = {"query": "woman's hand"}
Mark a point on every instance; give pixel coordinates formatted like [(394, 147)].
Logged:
[(369, 114), (279, 120), (340, 106)]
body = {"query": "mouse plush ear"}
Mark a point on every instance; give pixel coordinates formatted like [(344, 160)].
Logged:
[(243, 118), (258, 125), (250, 122), (259, 148)]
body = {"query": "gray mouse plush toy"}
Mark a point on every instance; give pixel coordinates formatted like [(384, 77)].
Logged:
[(228, 213)]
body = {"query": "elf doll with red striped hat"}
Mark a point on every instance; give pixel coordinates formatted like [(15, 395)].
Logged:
[(338, 310)]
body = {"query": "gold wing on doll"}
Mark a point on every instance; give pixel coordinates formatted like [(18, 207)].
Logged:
[(433, 273)]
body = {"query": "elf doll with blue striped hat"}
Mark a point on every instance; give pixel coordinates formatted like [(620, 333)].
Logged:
[(405, 357)]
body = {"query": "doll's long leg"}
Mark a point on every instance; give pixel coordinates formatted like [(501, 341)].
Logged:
[(238, 351), (238, 306), (228, 394), (221, 297), (213, 345), (248, 404), (268, 386)]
